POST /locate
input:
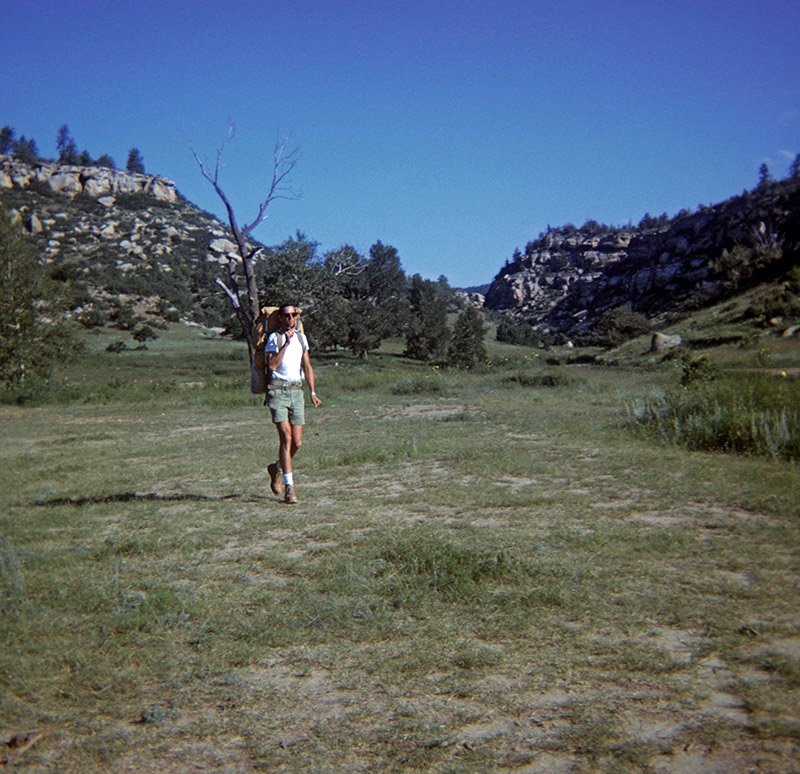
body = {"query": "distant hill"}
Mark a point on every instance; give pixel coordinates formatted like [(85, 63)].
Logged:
[(569, 279)]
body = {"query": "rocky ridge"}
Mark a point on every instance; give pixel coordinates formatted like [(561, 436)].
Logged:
[(92, 181), (568, 279), (121, 237)]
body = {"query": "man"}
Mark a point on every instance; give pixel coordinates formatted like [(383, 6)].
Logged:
[(287, 359)]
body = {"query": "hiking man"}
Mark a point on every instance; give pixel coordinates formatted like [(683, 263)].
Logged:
[(288, 362)]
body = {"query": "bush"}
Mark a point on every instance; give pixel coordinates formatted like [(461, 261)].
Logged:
[(751, 413), (509, 331), (698, 370), (93, 317), (621, 324)]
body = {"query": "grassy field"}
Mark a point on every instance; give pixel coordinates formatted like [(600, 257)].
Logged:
[(486, 572)]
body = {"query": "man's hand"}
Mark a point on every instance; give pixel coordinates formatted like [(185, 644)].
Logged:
[(315, 400)]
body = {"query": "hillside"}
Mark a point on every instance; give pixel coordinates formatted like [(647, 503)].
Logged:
[(125, 242), (568, 279)]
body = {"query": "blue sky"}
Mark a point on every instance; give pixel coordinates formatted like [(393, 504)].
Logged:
[(454, 131)]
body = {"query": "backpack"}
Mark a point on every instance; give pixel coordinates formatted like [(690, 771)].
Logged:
[(266, 322)]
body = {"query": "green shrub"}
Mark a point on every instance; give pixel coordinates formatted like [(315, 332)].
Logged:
[(698, 370), (752, 413), (621, 324), (93, 317), (550, 378), (511, 331)]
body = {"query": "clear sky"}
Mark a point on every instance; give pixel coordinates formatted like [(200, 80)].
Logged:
[(454, 130)]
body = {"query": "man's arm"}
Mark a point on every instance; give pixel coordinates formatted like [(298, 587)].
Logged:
[(274, 359), (309, 372)]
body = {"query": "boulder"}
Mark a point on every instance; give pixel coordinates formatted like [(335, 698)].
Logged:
[(223, 246), (66, 181), (663, 342)]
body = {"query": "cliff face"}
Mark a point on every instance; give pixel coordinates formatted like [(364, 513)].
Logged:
[(568, 281), (73, 180)]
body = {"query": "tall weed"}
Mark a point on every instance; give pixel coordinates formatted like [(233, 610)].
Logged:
[(745, 413)]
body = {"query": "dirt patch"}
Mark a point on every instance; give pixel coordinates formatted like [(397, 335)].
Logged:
[(659, 519), (516, 483), (681, 645), (423, 411)]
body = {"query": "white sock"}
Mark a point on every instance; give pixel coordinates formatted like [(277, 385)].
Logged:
[(288, 480)]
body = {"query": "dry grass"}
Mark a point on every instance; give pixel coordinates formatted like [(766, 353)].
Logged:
[(487, 577)]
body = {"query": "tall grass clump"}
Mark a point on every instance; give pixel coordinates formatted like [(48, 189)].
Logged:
[(742, 413)]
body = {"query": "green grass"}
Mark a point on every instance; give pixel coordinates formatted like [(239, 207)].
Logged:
[(495, 574)]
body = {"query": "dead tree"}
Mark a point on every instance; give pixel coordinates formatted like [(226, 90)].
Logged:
[(283, 162)]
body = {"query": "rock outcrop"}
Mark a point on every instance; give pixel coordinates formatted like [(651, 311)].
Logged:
[(92, 181), (568, 279)]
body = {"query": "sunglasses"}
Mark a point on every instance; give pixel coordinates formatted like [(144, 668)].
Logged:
[(291, 314)]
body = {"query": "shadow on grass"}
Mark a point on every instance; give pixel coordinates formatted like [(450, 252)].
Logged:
[(125, 497)]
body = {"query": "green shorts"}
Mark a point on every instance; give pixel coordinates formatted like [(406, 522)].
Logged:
[(287, 405)]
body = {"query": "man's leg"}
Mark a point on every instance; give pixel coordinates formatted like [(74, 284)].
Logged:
[(285, 444), (290, 440)]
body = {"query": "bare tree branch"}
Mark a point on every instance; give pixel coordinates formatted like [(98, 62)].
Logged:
[(283, 163), (349, 270), (234, 299)]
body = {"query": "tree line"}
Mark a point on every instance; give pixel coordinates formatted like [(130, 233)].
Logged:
[(26, 150), (354, 302), (351, 302)]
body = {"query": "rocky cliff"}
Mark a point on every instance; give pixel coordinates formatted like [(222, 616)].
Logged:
[(120, 238), (73, 180), (569, 278)]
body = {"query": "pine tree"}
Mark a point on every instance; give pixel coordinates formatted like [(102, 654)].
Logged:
[(29, 346), (764, 176), (7, 138), (468, 348), (428, 334), (135, 163), (65, 145), (794, 170)]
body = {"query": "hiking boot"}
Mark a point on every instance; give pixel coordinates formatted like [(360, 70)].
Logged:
[(275, 479), (290, 496)]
